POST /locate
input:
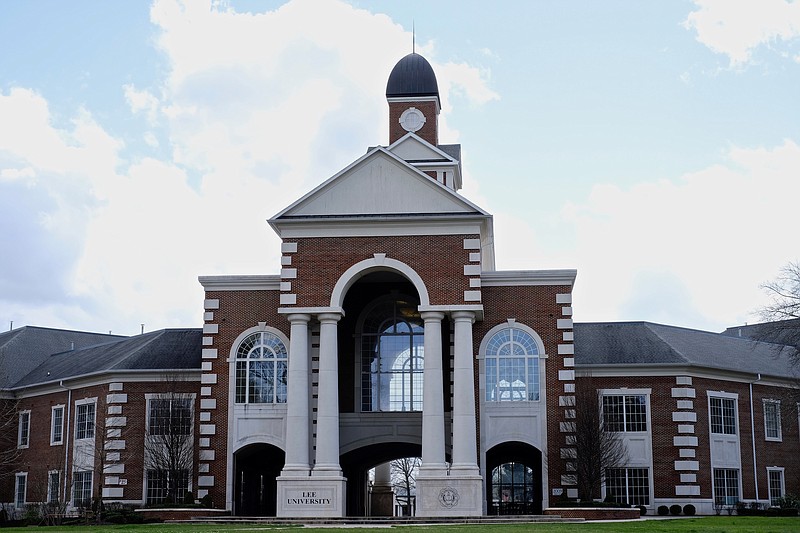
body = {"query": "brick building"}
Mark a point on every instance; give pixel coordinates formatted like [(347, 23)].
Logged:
[(390, 333)]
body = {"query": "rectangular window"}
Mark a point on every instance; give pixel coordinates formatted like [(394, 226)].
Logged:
[(57, 425), (775, 480), (625, 412), (82, 487), (24, 431), (84, 421), (170, 416), (723, 415), (726, 486), (53, 485), (772, 419), (159, 485), (20, 490), (630, 486)]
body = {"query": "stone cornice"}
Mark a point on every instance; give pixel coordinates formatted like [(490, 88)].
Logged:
[(269, 282), (512, 278)]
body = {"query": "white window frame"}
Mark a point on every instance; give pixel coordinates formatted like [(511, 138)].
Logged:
[(724, 396), (624, 393), (20, 476), (540, 358), (91, 485), (78, 404), (53, 489), (26, 432), (777, 404), (53, 409), (779, 470)]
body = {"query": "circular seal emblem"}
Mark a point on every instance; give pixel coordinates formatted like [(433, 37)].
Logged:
[(448, 497)]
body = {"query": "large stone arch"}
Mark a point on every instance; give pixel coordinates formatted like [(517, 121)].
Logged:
[(378, 263)]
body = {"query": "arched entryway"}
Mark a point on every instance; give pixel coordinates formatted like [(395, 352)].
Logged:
[(357, 463), (255, 468), (513, 479)]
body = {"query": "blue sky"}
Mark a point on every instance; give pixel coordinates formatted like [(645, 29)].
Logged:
[(651, 145)]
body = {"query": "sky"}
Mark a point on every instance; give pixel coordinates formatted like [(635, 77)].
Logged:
[(652, 146)]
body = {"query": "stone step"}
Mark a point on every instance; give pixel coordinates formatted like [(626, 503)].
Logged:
[(360, 520)]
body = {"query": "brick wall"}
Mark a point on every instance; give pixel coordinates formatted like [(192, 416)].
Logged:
[(428, 131)]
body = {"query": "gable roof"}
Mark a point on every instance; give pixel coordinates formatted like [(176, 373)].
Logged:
[(645, 343), (166, 349), (25, 348), (379, 184)]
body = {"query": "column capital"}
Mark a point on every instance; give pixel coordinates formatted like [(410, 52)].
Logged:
[(463, 316), (432, 316), (330, 317), (296, 318)]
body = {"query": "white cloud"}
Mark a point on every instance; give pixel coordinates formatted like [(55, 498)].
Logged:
[(253, 111), (737, 28), (695, 246)]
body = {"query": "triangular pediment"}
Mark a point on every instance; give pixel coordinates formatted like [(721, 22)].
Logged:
[(380, 183), (412, 148)]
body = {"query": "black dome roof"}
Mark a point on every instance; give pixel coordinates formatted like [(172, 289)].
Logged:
[(412, 76)]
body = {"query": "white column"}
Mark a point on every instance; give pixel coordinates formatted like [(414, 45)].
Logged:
[(433, 458), (465, 454), (298, 443), (327, 459), (383, 475)]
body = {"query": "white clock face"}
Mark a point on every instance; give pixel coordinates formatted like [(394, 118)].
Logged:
[(412, 119)]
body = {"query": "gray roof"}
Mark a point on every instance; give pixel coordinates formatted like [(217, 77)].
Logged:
[(643, 343), (453, 150), (165, 349), (23, 349), (412, 76)]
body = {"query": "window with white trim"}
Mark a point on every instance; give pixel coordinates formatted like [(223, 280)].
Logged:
[(723, 415), (726, 486), (776, 487), (772, 420), (82, 488), (57, 425), (24, 430), (629, 486), (84, 420), (53, 485), (392, 339), (625, 412), (512, 366), (20, 489), (261, 369), (169, 416), (160, 483)]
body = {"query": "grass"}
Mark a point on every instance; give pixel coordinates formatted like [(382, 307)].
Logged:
[(715, 524)]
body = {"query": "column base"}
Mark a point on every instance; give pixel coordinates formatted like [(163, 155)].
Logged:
[(381, 501), (453, 495), (311, 497)]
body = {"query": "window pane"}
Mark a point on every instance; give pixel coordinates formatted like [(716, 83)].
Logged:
[(772, 419), (58, 424), (613, 413), (775, 486), (635, 413)]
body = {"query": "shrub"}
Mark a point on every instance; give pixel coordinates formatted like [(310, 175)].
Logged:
[(689, 509), (663, 510), (206, 502), (188, 498), (642, 510), (675, 509)]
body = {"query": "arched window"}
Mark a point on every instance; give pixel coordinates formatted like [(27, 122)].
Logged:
[(392, 359), (261, 366), (512, 366)]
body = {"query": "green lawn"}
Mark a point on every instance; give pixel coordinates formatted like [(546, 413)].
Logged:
[(716, 524)]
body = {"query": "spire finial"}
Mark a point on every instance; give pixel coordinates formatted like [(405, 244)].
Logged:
[(413, 38)]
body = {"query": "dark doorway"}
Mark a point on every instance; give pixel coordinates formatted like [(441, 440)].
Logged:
[(255, 490), (357, 464), (513, 479)]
